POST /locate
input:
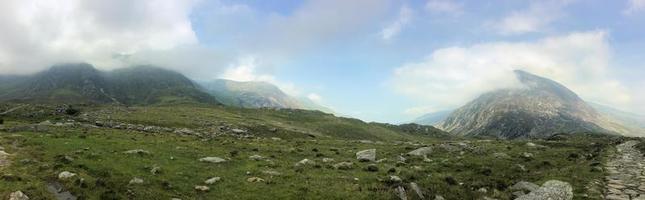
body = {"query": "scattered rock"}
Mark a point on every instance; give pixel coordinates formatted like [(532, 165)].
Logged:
[(256, 157), (137, 151), (212, 159), (155, 170), (395, 179), (202, 188), (344, 165), (400, 192), (136, 180), (304, 162), (527, 155), (439, 197), (327, 160), (524, 186), (18, 195), (500, 155), (66, 175), (551, 190), (366, 155), (417, 190), (371, 168), (254, 180), (213, 180), (423, 151)]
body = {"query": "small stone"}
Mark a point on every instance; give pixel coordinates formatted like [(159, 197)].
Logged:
[(202, 188), (439, 197), (65, 175), (213, 180), (344, 165), (304, 162), (212, 160), (254, 180), (327, 160), (256, 157), (395, 179), (371, 168), (137, 151), (18, 195), (136, 180)]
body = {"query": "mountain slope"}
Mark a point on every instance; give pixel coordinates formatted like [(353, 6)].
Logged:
[(433, 118), (82, 83), (251, 94), (540, 108)]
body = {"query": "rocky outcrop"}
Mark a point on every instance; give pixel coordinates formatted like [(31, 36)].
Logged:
[(551, 190)]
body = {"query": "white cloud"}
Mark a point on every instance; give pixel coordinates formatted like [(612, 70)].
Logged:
[(450, 77), (404, 18), (316, 98), (246, 69), (536, 18), (634, 6), (444, 6), (420, 110), (36, 34)]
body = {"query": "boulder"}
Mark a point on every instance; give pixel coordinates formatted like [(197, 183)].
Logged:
[(65, 175), (136, 180), (202, 188), (254, 180), (366, 155), (524, 186), (304, 162), (400, 192), (256, 157), (551, 190), (213, 180), (423, 151), (18, 195), (137, 151), (327, 160), (212, 160), (344, 165)]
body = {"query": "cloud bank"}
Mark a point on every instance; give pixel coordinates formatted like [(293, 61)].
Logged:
[(450, 77), (38, 33)]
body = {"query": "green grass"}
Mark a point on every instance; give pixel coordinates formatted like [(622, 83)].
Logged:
[(99, 160)]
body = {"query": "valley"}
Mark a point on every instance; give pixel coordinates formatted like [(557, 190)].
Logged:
[(196, 151)]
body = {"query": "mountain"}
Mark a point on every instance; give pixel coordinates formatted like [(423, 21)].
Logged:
[(540, 108), (627, 119), (82, 83), (252, 94), (433, 118)]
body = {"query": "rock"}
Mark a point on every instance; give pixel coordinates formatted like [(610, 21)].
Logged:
[(256, 157), (66, 175), (136, 180), (482, 190), (304, 162), (184, 131), (417, 190), (371, 168), (395, 179), (137, 151), (423, 151), (254, 180), (213, 180), (202, 188), (439, 197), (327, 160), (499, 155), (366, 155), (524, 186), (18, 195), (238, 131), (527, 155), (551, 190), (344, 165), (400, 192), (212, 160), (155, 170)]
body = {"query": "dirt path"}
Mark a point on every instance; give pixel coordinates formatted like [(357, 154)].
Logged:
[(626, 173)]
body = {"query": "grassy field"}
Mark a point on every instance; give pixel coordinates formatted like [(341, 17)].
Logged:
[(457, 168)]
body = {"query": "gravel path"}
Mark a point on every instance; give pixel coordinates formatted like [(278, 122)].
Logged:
[(626, 173)]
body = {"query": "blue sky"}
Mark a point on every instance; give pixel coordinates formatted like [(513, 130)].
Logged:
[(377, 60)]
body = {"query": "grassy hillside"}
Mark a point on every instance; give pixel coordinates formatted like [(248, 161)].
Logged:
[(457, 168)]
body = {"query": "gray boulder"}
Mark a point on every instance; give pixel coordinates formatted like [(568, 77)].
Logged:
[(423, 151), (18, 195), (366, 155), (212, 160)]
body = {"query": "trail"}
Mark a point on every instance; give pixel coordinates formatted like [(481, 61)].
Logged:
[(11, 110), (626, 173)]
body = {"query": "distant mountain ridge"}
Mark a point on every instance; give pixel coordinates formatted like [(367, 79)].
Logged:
[(254, 94), (540, 108), (82, 83)]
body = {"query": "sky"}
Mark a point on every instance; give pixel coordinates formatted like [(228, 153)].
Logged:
[(376, 60)]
